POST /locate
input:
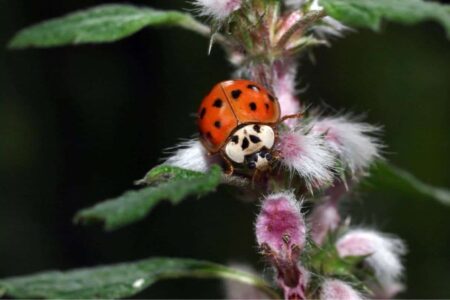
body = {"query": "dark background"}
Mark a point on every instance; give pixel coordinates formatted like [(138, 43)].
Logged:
[(79, 124)]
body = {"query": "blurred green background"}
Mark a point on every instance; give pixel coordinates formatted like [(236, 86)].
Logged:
[(79, 124)]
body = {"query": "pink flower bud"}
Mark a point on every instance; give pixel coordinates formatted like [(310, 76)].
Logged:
[(383, 252), (281, 234), (280, 224), (324, 218), (353, 142), (218, 9), (333, 289), (307, 156)]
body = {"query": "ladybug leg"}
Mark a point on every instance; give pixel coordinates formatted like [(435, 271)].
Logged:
[(276, 154), (229, 168), (294, 116), (256, 177)]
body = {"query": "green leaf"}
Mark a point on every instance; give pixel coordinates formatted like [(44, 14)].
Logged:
[(370, 13), (121, 280), (105, 23), (385, 175), (165, 172), (174, 184)]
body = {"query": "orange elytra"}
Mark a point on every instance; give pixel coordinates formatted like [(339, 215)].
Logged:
[(238, 119)]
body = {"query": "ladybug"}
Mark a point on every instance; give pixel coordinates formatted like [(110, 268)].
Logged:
[(238, 119)]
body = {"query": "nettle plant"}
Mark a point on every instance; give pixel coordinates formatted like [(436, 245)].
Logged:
[(258, 137)]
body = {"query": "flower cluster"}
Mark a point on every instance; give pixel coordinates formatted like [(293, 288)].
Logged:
[(321, 151), (281, 235), (314, 251)]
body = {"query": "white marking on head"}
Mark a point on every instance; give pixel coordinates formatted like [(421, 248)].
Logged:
[(262, 163), (249, 140)]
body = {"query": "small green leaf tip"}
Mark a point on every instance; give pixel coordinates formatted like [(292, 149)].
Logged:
[(122, 280), (170, 183), (371, 13), (386, 175), (101, 24)]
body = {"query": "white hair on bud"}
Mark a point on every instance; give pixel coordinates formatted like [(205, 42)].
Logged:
[(353, 142), (218, 9), (306, 155), (190, 155), (333, 289), (383, 252)]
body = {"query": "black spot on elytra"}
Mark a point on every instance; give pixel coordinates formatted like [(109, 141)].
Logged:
[(253, 87), (202, 113), (257, 128), (235, 139), (235, 94), (217, 124), (266, 105), (245, 144), (272, 98), (252, 106), (217, 103), (208, 135), (254, 139)]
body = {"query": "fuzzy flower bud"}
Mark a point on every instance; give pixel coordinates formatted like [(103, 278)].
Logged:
[(383, 252), (218, 9), (324, 218), (280, 224), (333, 289), (306, 155), (281, 234), (353, 142)]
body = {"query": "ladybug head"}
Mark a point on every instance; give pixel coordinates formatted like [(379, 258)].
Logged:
[(250, 145)]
